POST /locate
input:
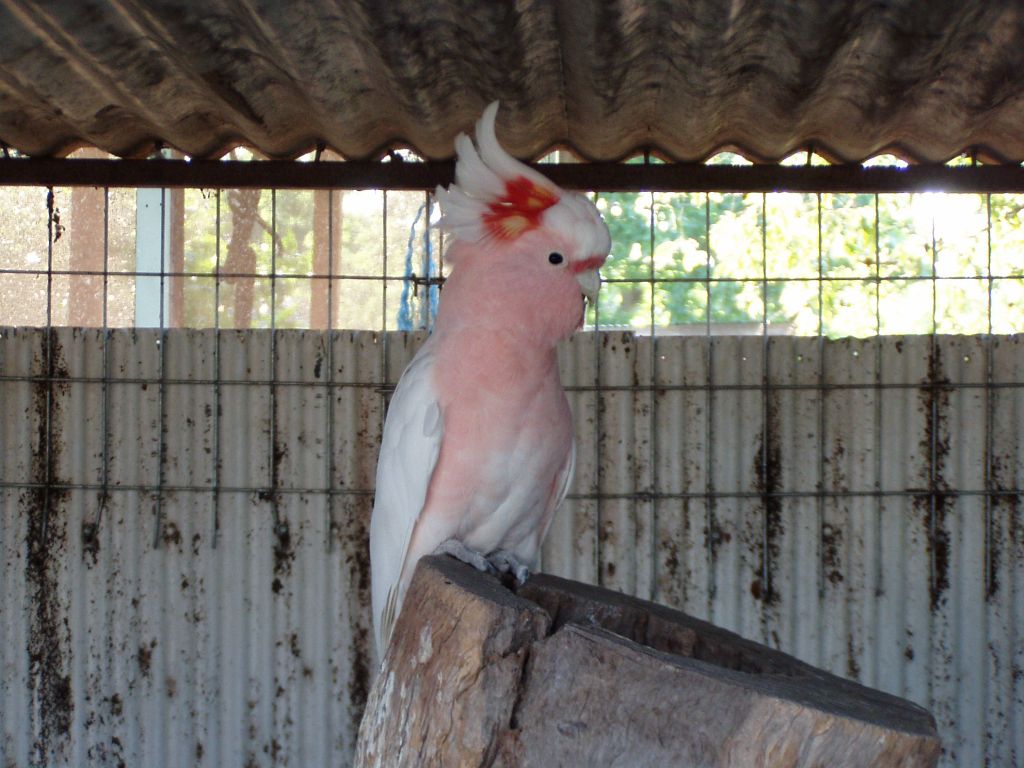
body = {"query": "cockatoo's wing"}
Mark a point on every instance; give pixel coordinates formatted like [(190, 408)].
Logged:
[(561, 488), (408, 454), (565, 478)]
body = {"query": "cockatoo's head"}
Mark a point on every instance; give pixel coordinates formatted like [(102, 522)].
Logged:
[(504, 216)]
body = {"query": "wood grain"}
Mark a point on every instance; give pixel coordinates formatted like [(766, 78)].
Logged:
[(568, 674)]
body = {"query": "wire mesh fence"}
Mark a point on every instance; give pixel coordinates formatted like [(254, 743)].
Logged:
[(767, 473), (819, 265), (806, 264)]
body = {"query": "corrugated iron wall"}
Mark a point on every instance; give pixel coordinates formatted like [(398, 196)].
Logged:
[(185, 578)]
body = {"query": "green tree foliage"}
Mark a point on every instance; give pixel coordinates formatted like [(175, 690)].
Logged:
[(812, 263), (839, 264)]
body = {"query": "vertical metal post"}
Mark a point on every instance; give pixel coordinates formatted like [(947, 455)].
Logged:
[(385, 372), (711, 536), (329, 380), (766, 564), (653, 413), (427, 265), (162, 393), (598, 432), (933, 451), (216, 380), (440, 255), (52, 232), (280, 526), (878, 393), (990, 576), (104, 499), (819, 501)]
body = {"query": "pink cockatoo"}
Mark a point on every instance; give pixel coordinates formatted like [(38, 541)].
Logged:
[(478, 448)]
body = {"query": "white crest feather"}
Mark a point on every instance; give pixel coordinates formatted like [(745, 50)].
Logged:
[(462, 215), (472, 174), (500, 161), (482, 174)]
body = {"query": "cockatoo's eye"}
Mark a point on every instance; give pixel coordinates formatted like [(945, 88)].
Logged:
[(556, 258)]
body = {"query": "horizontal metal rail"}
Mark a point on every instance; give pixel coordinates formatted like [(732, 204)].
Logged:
[(385, 388), (406, 175), (338, 276), (266, 490)]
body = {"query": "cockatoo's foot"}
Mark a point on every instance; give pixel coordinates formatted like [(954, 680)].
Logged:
[(460, 551), (507, 562)]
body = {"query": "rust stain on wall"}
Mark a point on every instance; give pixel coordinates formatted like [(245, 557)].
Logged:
[(49, 630), (354, 538), (284, 555), (831, 542), (937, 502), (1005, 542), (768, 482)]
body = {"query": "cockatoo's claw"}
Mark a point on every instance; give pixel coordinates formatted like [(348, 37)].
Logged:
[(460, 551), (507, 562)]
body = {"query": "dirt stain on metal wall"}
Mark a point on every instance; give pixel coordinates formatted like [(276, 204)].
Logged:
[(831, 543), (145, 657), (284, 555), (768, 482), (46, 545), (936, 503), (355, 538), (1005, 541), (832, 531), (284, 547)]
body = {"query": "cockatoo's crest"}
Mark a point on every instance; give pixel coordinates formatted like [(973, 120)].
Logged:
[(494, 197), (519, 209)]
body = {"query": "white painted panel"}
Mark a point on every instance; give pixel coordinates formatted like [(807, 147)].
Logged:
[(152, 254), (681, 411)]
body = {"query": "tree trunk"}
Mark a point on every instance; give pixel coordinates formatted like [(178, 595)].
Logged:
[(326, 256), (85, 299), (240, 263), (564, 674)]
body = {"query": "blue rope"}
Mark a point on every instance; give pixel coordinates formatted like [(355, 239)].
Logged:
[(405, 320), (433, 291), (405, 306)]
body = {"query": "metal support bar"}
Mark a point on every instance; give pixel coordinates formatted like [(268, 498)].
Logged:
[(624, 177), (597, 496)]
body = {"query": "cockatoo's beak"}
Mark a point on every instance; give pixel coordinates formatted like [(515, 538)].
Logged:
[(588, 277), (590, 283)]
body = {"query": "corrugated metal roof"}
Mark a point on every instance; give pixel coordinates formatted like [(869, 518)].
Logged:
[(925, 79)]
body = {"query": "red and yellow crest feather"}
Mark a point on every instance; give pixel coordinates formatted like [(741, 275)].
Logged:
[(519, 210), (495, 196)]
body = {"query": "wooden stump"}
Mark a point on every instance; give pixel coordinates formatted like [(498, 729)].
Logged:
[(565, 674)]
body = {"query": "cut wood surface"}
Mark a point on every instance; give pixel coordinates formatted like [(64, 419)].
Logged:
[(560, 673)]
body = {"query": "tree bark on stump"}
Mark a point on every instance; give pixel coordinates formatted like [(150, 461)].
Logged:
[(559, 673)]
